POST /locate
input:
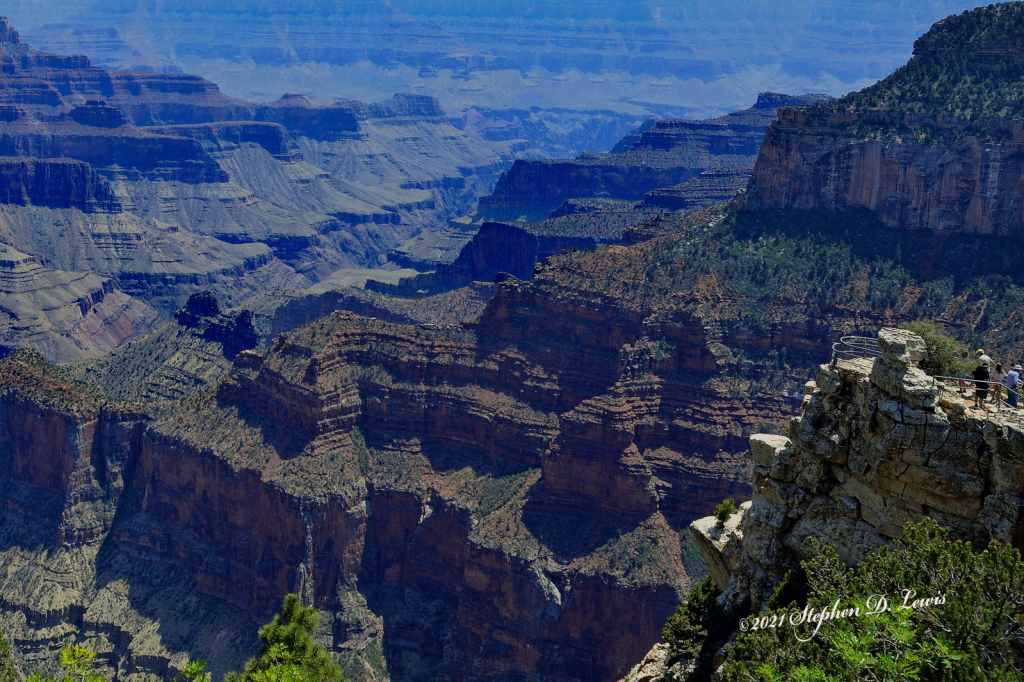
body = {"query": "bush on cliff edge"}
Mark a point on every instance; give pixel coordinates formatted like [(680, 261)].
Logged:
[(698, 629), (946, 356), (977, 634)]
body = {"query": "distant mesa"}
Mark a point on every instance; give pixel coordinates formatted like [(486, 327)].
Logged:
[(99, 114)]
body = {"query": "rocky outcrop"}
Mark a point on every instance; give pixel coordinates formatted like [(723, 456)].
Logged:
[(235, 332), (703, 190), (878, 444), (713, 538), (98, 114)]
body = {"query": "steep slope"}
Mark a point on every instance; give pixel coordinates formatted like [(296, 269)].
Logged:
[(935, 146), (68, 315)]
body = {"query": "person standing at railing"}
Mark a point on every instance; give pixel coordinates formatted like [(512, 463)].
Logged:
[(981, 377), (1013, 382), (998, 376)]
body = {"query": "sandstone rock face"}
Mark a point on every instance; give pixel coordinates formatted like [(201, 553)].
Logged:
[(972, 185), (877, 445), (712, 540)]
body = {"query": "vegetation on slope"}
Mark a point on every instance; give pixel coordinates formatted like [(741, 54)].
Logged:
[(968, 69), (747, 273), (29, 374), (288, 653), (976, 632), (946, 356)]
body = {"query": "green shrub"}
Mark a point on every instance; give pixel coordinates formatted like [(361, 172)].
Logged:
[(77, 662), (289, 653), (977, 634), (685, 631), (698, 628), (723, 511), (946, 356), (7, 673)]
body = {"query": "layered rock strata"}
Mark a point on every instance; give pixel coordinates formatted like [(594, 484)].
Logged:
[(68, 315), (666, 154), (921, 158), (166, 186), (407, 480)]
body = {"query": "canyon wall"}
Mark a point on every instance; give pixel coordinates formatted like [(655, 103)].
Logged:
[(416, 484), (934, 146), (663, 154), (970, 185)]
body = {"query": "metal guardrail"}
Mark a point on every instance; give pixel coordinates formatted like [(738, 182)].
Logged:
[(856, 347), (849, 347), (967, 386)]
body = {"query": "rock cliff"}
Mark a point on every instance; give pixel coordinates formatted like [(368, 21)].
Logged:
[(943, 158), (878, 444)]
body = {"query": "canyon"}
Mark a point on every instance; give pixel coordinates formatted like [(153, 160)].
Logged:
[(541, 207), (562, 77), (485, 480), (162, 186)]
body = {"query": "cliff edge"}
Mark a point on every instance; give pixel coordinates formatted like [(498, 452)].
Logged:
[(878, 444)]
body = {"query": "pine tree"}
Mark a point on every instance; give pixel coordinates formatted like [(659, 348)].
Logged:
[(289, 650)]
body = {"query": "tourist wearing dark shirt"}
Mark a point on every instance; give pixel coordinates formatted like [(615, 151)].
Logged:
[(981, 375)]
